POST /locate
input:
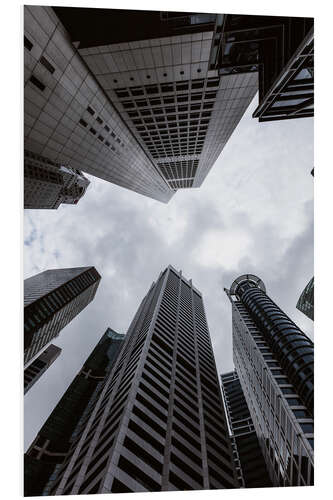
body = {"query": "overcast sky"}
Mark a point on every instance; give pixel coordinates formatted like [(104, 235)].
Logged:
[(253, 214)]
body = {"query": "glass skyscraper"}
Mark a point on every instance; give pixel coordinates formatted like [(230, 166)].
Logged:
[(52, 299), (158, 424), (274, 361), (49, 449), (306, 301)]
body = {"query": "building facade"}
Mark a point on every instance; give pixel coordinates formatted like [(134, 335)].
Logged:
[(274, 361), (249, 460), (49, 449), (39, 366), (155, 68), (147, 114), (280, 50), (48, 184), (67, 117), (306, 301), (158, 423), (52, 299)]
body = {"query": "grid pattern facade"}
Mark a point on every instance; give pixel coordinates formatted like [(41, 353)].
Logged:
[(67, 117), (270, 363), (49, 449), (51, 300), (249, 461), (178, 109), (48, 184), (39, 366), (159, 422), (306, 301)]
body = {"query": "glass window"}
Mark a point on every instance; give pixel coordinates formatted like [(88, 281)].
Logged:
[(307, 427)]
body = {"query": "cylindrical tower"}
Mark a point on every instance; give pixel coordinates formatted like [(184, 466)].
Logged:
[(291, 346)]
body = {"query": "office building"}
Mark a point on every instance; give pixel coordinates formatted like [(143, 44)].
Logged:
[(67, 117), (248, 457), (129, 96), (49, 449), (47, 184), (280, 50), (52, 299), (39, 366), (158, 424), (154, 67), (274, 361), (306, 301)]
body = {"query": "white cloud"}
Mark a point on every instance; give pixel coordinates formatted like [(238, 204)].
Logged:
[(222, 248)]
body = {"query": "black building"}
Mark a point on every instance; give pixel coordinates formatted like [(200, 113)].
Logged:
[(51, 300), (49, 449), (250, 463), (281, 50)]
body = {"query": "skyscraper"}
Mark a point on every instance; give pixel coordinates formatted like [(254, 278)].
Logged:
[(52, 299), (249, 460), (129, 96), (280, 50), (305, 302), (67, 117), (274, 361), (158, 423), (49, 449), (155, 67), (39, 366), (48, 184)]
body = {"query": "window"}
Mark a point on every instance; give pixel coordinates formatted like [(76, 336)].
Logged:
[(37, 83), (28, 45), (90, 110), (47, 65), (307, 427)]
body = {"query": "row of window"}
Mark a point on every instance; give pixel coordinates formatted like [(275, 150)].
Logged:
[(167, 87)]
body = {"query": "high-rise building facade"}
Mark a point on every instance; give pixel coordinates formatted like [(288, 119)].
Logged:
[(39, 366), (48, 184), (248, 457), (67, 117), (306, 301), (158, 423), (280, 50), (52, 299), (155, 68), (129, 96), (274, 361), (49, 449)]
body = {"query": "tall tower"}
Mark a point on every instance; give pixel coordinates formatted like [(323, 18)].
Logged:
[(52, 299), (48, 184), (49, 449), (305, 302), (158, 423), (39, 366), (155, 67), (274, 361), (129, 96), (67, 117), (250, 463)]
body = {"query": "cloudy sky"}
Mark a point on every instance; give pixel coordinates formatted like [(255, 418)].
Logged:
[(253, 214)]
